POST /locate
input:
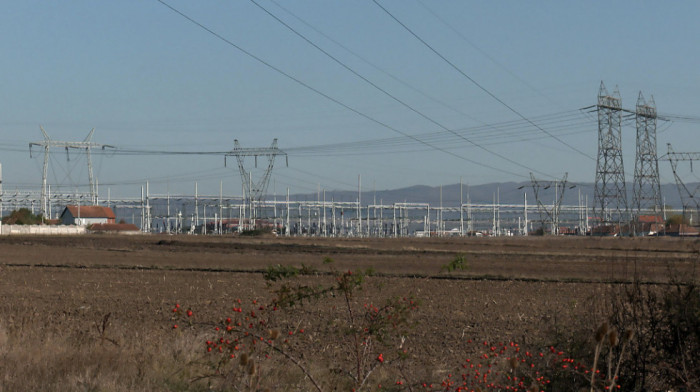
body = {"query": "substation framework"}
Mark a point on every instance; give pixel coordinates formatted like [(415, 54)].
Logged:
[(690, 197), (222, 214), (219, 214), (87, 145)]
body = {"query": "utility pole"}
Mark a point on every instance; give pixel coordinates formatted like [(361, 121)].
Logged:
[(287, 232), (525, 218), (359, 205), (461, 208)]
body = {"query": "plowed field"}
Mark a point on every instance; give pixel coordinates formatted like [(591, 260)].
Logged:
[(56, 291)]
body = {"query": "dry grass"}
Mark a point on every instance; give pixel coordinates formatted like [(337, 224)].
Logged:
[(50, 318)]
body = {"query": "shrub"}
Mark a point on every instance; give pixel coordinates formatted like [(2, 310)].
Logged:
[(258, 345), (23, 216)]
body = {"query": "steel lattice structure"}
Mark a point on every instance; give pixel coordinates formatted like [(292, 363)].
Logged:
[(255, 190), (553, 212), (86, 145), (691, 204), (610, 194), (646, 187)]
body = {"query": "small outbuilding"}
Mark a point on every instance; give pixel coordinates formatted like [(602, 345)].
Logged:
[(114, 228), (87, 215)]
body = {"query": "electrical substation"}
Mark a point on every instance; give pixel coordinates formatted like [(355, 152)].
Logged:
[(609, 213)]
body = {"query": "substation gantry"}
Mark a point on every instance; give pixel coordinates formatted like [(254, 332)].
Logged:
[(689, 197), (87, 144), (552, 214), (255, 189)]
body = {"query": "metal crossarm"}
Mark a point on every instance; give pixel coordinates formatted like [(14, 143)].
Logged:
[(553, 212), (688, 196), (87, 144), (255, 190)]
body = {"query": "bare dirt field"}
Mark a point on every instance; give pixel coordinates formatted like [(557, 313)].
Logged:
[(56, 292)]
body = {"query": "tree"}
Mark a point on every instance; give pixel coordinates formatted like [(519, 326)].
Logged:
[(23, 216)]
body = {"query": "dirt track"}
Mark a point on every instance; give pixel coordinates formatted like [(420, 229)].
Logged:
[(555, 259)]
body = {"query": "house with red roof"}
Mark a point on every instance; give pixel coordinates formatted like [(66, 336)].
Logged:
[(87, 215)]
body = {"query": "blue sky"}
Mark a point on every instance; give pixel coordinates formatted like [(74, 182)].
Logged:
[(146, 78)]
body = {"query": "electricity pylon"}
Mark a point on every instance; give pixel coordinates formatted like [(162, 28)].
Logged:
[(688, 196), (647, 189), (86, 145), (553, 213), (254, 190), (610, 195)]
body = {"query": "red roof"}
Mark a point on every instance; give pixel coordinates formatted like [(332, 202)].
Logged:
[(650, 219), (92, 212)]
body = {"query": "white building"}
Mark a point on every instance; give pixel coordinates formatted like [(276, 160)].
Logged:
[(87, 215)]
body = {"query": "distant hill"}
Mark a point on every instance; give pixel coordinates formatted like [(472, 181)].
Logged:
[(506, 192)]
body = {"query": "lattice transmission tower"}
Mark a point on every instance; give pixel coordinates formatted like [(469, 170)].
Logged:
[(87, 144), (254, 189), (552, 212), (610, 194), (646, 187), (690, 197)]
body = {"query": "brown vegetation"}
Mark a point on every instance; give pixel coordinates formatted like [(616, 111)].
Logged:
[(57, 293)]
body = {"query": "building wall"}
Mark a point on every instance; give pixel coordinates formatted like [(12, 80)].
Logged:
[(41, 230), (90, 221), (69, 219)]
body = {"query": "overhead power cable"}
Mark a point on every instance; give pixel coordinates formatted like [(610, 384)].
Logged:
[(477, 84), (568, 122), (484, 53), (680, 118), (328, 97), (511, 131), (388, 94), (376, 67)]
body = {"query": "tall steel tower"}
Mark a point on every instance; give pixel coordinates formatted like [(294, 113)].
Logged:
[(610, 195), (255, 189), (647, 189), (86, 145)]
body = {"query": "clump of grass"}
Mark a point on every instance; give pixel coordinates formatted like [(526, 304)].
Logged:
[(459, 263)]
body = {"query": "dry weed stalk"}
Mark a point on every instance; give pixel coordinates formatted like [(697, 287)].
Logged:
[(604, 334), (102, 330)]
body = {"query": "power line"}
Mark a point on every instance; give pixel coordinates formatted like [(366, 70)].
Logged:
[(385, 92), (574, 120), (513, 131), (328, 97), (477, 84), (483, 52), (376, 67)]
